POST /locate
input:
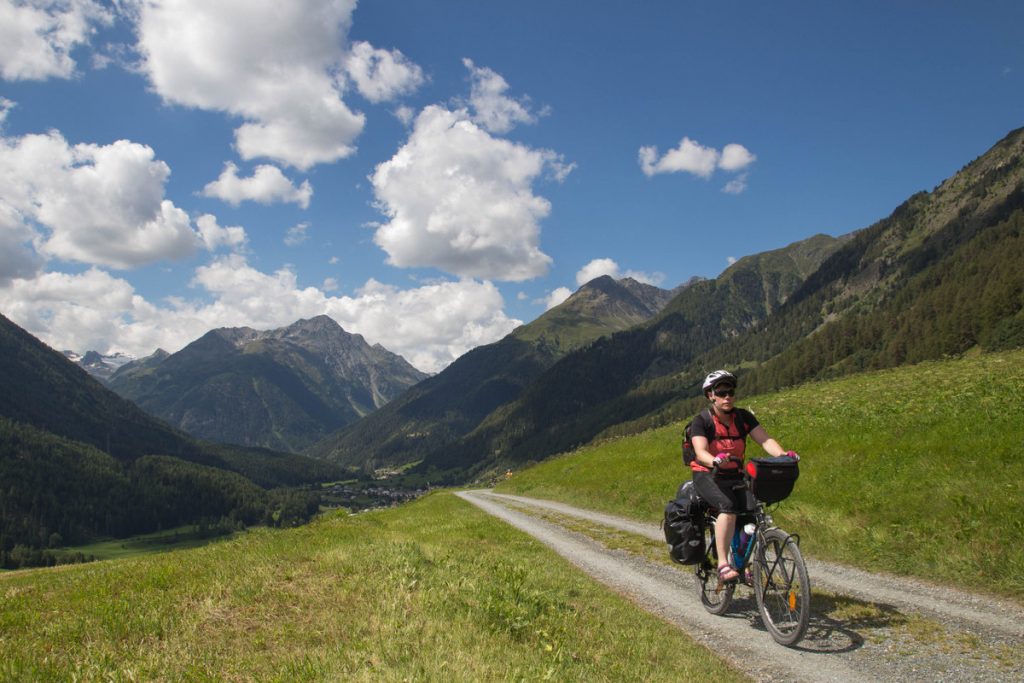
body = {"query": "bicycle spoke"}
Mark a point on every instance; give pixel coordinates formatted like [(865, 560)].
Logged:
[(783, 590), (714, 595)]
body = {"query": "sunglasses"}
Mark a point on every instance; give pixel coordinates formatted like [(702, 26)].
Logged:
[(722, 393)]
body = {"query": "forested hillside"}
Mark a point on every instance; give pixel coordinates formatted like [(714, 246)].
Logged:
[(594, 387), (442, 409), (77, 461), (940, 276)]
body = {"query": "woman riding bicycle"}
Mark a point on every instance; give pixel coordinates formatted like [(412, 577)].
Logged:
[(719, 437)]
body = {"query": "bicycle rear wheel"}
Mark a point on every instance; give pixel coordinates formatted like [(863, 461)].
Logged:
[(782, 588), (714, 595)]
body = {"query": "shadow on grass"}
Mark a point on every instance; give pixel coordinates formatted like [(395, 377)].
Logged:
[(838, 623)]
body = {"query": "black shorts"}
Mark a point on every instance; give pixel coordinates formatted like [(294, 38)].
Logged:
[(718, 492)]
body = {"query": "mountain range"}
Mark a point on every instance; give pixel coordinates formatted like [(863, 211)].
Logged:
[(939, 276), (446, 407), (626, 376), (282, 389), (101, 366), (78, 461)]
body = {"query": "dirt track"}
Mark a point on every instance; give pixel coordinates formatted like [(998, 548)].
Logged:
[(896, 630)]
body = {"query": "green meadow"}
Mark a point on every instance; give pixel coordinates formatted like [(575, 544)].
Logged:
[(145, 544), (916, 471), (433, 590)]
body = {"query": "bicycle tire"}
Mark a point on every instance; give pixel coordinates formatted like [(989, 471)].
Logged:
[(782, 588), (714, 595)]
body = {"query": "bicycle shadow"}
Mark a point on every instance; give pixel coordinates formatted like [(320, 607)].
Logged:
[(837, 624)]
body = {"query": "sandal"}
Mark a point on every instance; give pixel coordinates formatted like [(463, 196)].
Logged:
[(726, 573)]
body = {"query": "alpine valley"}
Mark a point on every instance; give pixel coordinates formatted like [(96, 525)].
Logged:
[(78, 462), (938, 277)]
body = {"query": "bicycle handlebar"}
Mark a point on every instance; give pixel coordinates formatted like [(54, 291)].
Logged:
[(717, 466)]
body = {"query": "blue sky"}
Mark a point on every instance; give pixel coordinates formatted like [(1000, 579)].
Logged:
[(433, 173)]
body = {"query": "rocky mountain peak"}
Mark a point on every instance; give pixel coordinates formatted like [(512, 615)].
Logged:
[(281, 388)]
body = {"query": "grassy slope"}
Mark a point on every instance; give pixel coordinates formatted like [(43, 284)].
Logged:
[(916, 471), (179, 538), (436, 590)]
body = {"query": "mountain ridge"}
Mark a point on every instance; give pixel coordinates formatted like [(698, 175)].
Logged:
[(707, 312), (857, 309), (282, 388), (450, 404), (77, 460)]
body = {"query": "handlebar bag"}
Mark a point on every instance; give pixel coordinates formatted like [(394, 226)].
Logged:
[(772, 479)]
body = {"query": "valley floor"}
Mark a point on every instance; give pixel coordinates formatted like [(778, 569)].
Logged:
[(864, 626)]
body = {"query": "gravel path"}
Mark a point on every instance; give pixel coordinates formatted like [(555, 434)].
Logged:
[(893, 629)]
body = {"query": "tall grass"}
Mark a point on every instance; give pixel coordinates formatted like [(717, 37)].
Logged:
[(435, 590), (917, 470)]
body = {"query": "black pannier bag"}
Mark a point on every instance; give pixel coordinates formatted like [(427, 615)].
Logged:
[(683, 525), (772, 479)]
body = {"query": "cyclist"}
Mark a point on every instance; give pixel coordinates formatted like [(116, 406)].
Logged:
[(719, 437)]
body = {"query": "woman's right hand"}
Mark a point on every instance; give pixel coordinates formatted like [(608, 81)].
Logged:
[(724, 461)]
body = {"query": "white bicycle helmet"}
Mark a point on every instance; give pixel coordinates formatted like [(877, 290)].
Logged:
[(717, 377)]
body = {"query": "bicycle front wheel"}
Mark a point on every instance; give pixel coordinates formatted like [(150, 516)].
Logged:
[(782, 588), (714, 595)]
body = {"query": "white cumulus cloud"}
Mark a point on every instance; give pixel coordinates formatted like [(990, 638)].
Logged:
[(492, 108), (214, 236), (696, 159), (461, 200), (76, 311), (689, 157), (381, 75), (36, 38), (6, 106), (17, 257), (735, 157), (556, 296), (430, 325), (737, 185), (595, 269), (272, 63), (607, 266), (96, 204), (266, 185), (296, 235)]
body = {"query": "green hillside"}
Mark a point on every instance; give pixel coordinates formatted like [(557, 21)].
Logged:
[(446, 407), (78, 462), (600, 307), (938, 277), (55, 491), (594, 387), (46, 391), (916, 470), (436, 590)]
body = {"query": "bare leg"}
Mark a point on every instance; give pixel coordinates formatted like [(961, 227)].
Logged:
[(725, 525)]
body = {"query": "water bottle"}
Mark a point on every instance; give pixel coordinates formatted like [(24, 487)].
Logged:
[(745, 535)]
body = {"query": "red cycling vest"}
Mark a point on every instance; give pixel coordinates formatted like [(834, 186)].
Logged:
[(728, 439)]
